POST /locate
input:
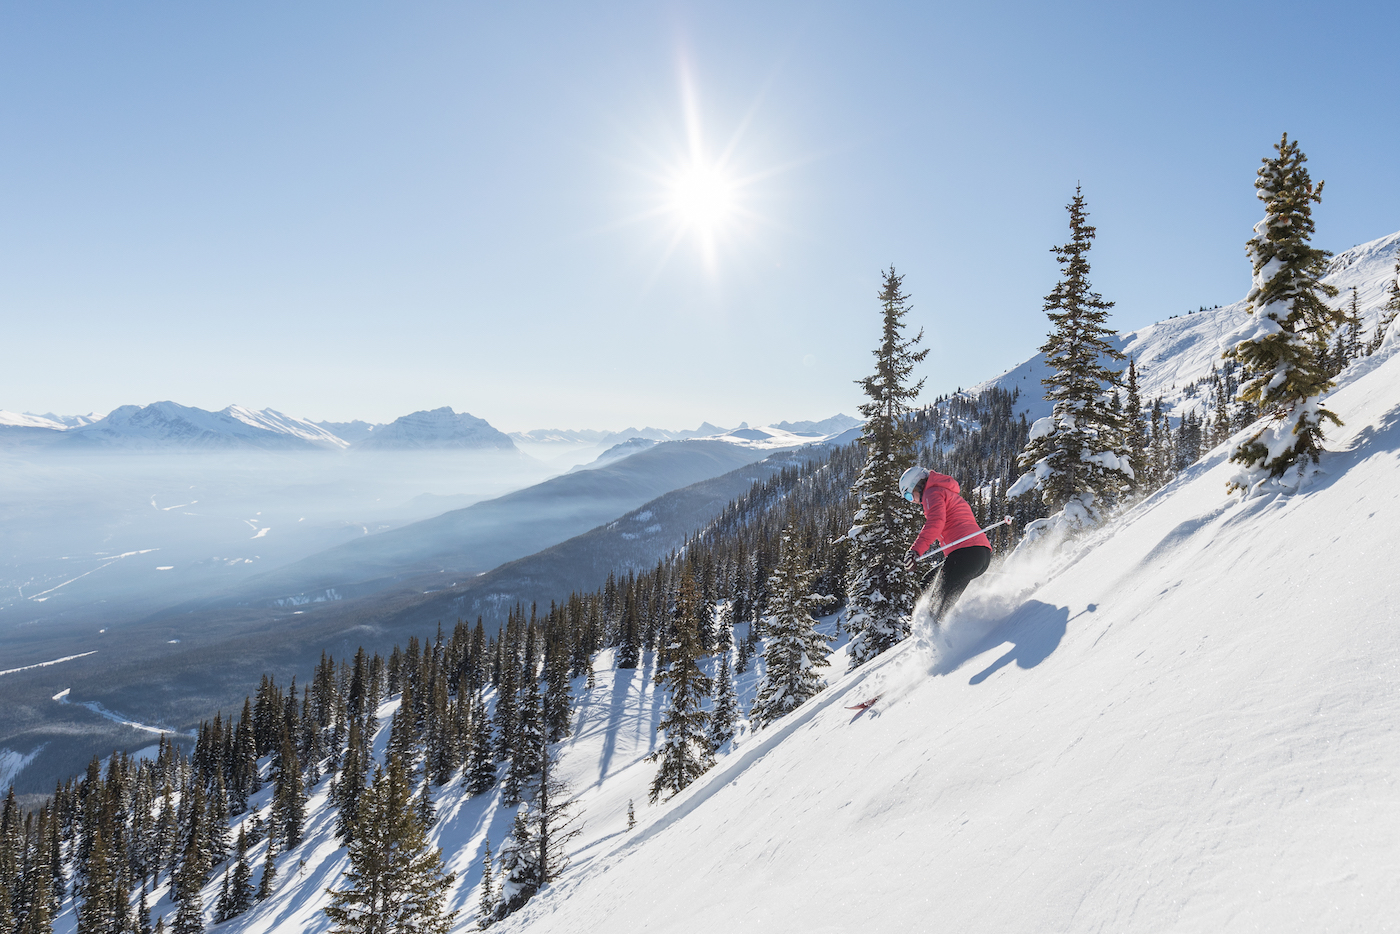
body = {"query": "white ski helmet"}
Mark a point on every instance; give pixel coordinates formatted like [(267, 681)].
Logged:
[(910, 479)]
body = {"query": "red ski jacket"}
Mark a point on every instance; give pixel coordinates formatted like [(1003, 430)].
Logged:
[(947, 517)]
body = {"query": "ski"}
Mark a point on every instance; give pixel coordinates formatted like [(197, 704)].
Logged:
[(866, 705)]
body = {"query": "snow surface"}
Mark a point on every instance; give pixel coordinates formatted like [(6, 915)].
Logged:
[(1190, 723)]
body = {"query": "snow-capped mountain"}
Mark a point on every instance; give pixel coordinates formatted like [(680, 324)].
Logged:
[(162, 424), (438, 428), (70, 421), (1174, 357), (826, 427), (15, 420)]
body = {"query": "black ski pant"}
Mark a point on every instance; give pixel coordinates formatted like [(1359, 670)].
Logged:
[(960, 568)]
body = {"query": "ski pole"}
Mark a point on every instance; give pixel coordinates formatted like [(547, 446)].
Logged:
[(1005, 520)]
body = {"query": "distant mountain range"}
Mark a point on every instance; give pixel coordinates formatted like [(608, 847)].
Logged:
[(171, 425)]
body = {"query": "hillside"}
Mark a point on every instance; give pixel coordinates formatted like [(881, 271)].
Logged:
[(1188, 724)]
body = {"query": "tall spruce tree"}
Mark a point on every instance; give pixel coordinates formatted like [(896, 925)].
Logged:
[(880, 592), (685, 753), (395, 882), (1284, 377), (1076, 458), (796, 651)]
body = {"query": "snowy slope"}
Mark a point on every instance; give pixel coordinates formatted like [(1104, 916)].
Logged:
[(14, 419), (1190, 724), (1173, 354)]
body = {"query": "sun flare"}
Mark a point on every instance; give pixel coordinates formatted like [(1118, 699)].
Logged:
[(702, 198)]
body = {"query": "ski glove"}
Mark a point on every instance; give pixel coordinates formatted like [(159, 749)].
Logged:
[(911, 560)]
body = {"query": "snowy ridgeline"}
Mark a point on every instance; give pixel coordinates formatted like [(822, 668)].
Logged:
[(1175, 357), (614, 728), (1187, 723)]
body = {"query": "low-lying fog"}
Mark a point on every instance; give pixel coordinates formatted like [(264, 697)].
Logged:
[(99, 538)]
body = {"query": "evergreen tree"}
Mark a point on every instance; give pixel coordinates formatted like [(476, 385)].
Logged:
[(351, 785), (520, 868), (1076, 458), (686, 753), (795, 650), (726, 713), (1135, 428), (480, 774), (240, 897), (395, 883), (880, 592), (486, 905), (553, 811), (289, 799), (1284, 377), (269, 873)]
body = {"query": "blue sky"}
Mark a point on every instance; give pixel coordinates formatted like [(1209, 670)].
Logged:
[(353, 210)]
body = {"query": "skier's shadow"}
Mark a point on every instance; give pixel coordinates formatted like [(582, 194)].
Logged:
[(1035, 631)]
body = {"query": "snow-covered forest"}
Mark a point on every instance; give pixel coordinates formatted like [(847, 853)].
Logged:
[(1169, 705)]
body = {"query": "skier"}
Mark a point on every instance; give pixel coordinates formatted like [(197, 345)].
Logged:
[(947, 517)]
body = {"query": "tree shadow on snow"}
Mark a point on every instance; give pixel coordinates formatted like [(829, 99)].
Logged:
[(1034, 630)]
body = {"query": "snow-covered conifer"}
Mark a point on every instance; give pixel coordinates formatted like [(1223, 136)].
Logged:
[(795, 650), (726, 713), (1135, 436), (1288, 314), (486, 904), (685, 753), (520, 867), (1076, 458), (880, 593), (395, 882)]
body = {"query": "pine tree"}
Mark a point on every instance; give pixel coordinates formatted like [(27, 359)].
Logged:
[(269, 873), (686, 753), (395, 882), (486, 905), (520, 868), (880, 592), (1076, 458), (1284, 377), (726, 713), (1135, 428), (100, 911), (553, 806), (795, 650), (240, 897), (289, 799), (480, 774)]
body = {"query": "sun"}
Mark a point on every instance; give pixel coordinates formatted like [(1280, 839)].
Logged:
[(702, 198)]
